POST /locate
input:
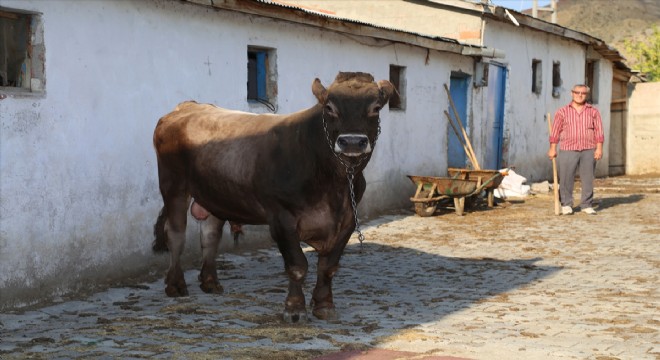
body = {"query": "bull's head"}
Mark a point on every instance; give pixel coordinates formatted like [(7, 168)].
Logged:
[(350, 111)]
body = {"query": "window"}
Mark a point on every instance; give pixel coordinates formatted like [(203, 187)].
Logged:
[(556, 79), (21, 51), (261, 83), (591, 80), (398, 79), (536, 76)]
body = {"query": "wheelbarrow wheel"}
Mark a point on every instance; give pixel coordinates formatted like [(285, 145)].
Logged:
[(425, 209)]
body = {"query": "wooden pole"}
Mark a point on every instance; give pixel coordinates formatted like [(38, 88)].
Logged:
[(555, 185), (460, 138), (467, 139)]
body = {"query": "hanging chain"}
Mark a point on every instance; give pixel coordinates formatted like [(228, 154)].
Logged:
[(350, 175)]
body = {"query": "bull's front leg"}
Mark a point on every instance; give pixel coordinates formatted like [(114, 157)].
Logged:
[(328, 264), (285, 235)]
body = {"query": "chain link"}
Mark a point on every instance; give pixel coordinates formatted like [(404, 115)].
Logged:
[(350, 175)]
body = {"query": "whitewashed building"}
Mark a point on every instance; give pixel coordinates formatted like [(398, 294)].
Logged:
[(84, 83), (537, 64)]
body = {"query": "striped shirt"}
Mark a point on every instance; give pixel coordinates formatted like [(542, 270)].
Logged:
[(577, 131)]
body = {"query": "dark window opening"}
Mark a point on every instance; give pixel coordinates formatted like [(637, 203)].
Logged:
[(591, 74), (397, 78), (262, 76), (536, 76), (257, 75), (21, 50), (556, 79)]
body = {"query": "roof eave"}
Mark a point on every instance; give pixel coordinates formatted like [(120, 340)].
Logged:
[(599, 45), (293, 14)]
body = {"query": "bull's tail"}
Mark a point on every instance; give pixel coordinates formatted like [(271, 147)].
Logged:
[(160, 242)]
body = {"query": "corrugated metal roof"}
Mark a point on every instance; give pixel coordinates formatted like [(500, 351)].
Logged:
[(599, 45), (330, 15), (493, 11), (280, 9)]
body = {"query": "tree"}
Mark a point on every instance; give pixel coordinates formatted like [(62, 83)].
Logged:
[(646, 54)]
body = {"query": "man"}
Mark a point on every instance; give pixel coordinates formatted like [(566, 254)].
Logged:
[(579, 129)]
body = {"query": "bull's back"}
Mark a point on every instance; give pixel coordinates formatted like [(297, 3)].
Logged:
[(191, 124), (216, 151)]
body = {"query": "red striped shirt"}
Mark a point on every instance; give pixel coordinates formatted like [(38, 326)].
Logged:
[(577, 131)]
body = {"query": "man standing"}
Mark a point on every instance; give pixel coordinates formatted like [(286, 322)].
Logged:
[(579, 129)]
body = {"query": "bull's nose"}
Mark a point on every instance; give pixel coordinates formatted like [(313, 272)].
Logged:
[(352, 144)]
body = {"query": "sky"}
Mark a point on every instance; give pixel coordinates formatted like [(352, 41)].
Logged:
[(519, 5)]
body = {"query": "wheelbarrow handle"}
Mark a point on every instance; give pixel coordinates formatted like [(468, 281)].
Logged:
[(487, 182)]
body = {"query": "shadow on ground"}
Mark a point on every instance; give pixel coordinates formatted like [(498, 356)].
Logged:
[(380, 292), (609, 202)]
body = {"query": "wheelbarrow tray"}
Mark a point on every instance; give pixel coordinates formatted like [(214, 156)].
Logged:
[(468, 174), (445, 186)]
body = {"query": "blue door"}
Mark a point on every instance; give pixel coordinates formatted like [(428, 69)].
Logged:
[(494, 117), (458, 88)]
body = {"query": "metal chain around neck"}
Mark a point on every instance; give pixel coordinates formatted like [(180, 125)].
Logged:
[(350, 174)]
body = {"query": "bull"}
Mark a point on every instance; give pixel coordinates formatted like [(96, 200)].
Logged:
[(300, 174)]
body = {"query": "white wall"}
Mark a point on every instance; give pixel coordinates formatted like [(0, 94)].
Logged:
[(525, 127), (642, 156), (79, 192)]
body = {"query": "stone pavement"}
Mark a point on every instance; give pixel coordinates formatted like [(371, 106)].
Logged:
[(513, 282)]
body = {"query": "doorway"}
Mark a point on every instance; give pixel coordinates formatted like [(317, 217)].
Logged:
[(458, 88), (494, 117)]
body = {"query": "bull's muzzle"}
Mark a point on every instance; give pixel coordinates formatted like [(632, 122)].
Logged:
[(352, 144)]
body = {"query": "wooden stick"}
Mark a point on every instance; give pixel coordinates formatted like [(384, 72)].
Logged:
[(460, 138), (555, 186), (458, 119)]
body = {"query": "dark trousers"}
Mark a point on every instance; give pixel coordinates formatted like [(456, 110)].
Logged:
[(567, 163)]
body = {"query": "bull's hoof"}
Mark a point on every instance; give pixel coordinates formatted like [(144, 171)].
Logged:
[(326, 313), (212, 288), (296, 316), (208, 282), (174, 291)]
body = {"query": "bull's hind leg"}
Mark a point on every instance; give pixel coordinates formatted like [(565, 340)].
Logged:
[(211, 235), (175, 227)]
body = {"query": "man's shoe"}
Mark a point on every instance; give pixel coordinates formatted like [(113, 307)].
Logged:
[(589, 211), (567, 210)]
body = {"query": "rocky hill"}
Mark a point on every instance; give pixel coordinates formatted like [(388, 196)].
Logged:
[(612, 21)]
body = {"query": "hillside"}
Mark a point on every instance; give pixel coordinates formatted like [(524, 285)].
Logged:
[(612, 21)]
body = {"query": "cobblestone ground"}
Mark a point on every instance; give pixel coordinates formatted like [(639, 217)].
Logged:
[(513, 282)]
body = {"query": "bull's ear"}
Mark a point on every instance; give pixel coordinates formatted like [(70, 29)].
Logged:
[(386, 90), (319, 91)]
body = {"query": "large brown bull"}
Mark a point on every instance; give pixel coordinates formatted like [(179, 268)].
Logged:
[(291, 172)]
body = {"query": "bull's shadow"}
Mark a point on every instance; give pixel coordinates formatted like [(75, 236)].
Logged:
[(381, 289), (412, 287)]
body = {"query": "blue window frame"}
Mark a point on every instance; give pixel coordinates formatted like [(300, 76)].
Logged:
[(257, 74)]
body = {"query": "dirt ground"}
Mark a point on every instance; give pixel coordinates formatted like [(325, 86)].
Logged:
[(510, 282)]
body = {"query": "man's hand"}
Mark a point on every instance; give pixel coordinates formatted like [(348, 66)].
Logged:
[(598, 153), (552, 152)]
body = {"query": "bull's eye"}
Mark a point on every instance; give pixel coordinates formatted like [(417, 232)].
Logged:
[(374, 109), (330, 110)]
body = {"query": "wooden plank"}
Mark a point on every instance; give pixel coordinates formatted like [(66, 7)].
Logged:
[(8, 15)]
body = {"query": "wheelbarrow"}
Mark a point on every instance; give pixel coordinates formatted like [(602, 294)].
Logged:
[(431, 190), (480, 176)]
